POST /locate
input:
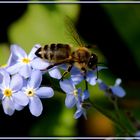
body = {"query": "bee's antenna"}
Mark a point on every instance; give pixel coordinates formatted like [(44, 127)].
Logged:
[(102, 63)]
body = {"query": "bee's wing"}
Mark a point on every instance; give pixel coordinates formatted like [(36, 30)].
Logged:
[(72, 31)]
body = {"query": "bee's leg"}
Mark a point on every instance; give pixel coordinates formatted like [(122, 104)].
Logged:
[(58, 63), (53, 65), (67, 71), (85, 77), (97, 72)]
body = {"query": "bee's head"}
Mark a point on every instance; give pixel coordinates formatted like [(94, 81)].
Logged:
[(93, 60), (38, 53)]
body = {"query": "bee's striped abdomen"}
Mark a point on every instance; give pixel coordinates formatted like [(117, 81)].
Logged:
[(54, 52)]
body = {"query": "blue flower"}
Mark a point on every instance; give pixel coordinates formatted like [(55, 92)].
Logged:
[(22, 63), (69, 88), (9, 63), (34, 92), (137, 134), (116, 90), (80, 111), (77, 76), (40, 64), (12, 98), (74, 97), (81, 105)]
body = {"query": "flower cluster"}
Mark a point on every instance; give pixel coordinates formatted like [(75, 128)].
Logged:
[(20, 84)]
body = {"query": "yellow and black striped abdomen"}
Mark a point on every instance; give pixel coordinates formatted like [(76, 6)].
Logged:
[(54, 52)]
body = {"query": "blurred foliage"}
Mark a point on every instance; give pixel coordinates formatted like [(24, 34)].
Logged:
[(125, 18), (42, 24)]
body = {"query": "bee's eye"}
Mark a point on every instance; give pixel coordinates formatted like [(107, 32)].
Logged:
[(92, 61)]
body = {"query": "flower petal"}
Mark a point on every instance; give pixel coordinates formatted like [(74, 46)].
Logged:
[(18, 107), (137, 134), (39, 64), (35, 106), (11, 60), (1, 95), (1, 78), (16, 82), (118, 91), (20, 98), (55, 73), (5, 78), (91, 78), (75, 71), (8, 106), (18, 52), (118, 82), (14, 68), (67, 86), (85, 95), (25, 71), (77, 78), (32, 55), (78, 114), (70, 100), (35, 79), (45, 92)]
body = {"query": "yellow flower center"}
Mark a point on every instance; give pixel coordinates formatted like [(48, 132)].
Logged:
[(7, 92), (75, 92), (26, 60), (30, 92)]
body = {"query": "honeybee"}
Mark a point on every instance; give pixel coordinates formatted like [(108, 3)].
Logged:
[(58, 54)]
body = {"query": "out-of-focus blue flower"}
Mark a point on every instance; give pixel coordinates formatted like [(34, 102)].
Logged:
[(80, 111), (116, 90), (137, 134), (69, 88), (11, 97), (77, 76), (34, 92)]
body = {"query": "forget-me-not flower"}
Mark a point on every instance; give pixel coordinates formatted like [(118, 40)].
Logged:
[(81, 105), (12, 98), (23, 63), (34, 92), (116, 89), (137, 134), (69, 88)]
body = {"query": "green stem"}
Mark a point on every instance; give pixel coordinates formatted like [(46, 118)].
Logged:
[(116, 107), (113, 118)]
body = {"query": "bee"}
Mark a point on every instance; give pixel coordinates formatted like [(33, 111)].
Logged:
[(58, 54)]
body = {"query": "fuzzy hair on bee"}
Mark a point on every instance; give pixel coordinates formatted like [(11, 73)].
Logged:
[(54, 52)]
